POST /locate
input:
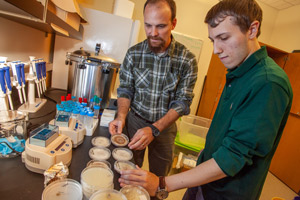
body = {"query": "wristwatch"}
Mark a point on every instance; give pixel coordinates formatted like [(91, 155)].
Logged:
[(155, 131), (162, 192)]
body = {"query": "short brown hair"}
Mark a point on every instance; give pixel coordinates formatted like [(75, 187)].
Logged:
[(244, 12), (171, 4)]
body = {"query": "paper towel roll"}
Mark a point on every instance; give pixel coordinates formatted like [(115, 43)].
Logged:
[(123, 8)]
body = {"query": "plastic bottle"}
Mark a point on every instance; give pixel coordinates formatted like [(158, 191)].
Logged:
[(68, 111), (75, 114), (96, 111), (82, 116), (73, 98), (89, 120), (59, 109)]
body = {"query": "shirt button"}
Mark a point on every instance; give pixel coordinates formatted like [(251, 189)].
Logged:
[(229, 85)]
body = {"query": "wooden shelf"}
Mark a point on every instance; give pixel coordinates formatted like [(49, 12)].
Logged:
[(31, 13)]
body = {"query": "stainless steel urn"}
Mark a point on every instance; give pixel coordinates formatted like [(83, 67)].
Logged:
[(91, 74)]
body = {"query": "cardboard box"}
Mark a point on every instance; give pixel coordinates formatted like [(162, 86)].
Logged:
[(73, 19)]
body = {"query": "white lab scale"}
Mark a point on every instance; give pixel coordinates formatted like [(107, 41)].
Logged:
[(75, 130), (38, 158)]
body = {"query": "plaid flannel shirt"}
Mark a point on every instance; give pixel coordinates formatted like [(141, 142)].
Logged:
[(155, 83)]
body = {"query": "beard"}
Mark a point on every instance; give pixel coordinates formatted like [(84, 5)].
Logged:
[(156, 49)]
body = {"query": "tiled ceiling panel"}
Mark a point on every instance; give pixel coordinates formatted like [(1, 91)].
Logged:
[(281, 4)]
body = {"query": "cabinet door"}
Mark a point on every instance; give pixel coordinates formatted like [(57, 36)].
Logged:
[(286, 161), (213, 86)]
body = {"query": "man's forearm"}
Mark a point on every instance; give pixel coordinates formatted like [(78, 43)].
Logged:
[(204, 173), (123, 107), (166, 120)]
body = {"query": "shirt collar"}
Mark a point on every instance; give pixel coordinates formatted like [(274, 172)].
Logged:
[(248, 63)]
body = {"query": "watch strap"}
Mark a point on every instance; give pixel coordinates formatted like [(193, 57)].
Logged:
[(162, 183), (155, 131)]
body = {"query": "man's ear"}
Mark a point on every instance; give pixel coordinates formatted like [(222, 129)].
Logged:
[(174, 22), (253, 30)]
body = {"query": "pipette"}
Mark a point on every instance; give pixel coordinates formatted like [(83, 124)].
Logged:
[(44, 74), (17, 77), (36, 68), (3, 90), (39, 74), (22, 65), (8, 84)]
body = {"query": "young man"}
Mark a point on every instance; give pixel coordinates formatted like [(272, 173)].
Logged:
[(157, 79), (248, 122)]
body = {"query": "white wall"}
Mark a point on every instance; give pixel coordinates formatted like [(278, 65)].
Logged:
[(286, 34)]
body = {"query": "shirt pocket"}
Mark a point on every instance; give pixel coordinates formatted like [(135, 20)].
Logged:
[(141, 78)]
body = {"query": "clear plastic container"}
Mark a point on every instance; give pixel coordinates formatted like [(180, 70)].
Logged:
[(192, 131), (82, 116), (65, 189), (99, 153), (13, 133), (96, 178), (108, 195), (135, 192), (103, 163), (75, 114), (101, 141), (89, 120), (123, 165), (119, 140), (122, 154), (96, 111)]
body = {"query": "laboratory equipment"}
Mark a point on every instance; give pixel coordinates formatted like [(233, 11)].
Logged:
[(119, 140), (73, 129), (110, 194), (8, 84), (101, 141), (13, 132), (63, 189), (123, 165), (94, 178), (122, 154), (33, 104), (92, 75), (38, 158), (16, 69), (99, 153), (133, 192)]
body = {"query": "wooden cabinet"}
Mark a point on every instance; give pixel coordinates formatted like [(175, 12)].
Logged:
[(32, 13), (286, 161)]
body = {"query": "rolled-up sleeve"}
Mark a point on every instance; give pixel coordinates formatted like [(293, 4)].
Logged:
[(253, 129), (184, 92)]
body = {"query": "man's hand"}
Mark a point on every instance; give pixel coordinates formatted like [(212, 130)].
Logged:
[(141, 139), (140, 177), (116, 126)]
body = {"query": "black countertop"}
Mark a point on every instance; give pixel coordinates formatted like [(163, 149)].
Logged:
[(18, 183)]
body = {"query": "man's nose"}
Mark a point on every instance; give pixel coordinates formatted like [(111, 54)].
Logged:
[(217, 48), (154, 31)]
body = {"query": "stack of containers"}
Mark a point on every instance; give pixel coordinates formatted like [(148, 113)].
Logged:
[(80, 110)]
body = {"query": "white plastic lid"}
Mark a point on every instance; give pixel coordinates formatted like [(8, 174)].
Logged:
[(123, 165), (99, 153), (135, 193), (119, 140), (101, 141), (122, 154), (108, 195), (97, 163), (65, 189)]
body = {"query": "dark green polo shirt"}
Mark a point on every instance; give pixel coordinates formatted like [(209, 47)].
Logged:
[(247, 126)]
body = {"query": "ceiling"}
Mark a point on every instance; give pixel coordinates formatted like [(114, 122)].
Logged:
[(280, 4)]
